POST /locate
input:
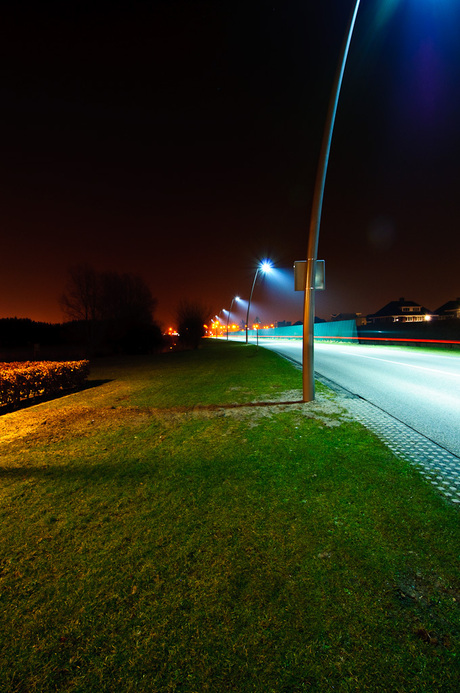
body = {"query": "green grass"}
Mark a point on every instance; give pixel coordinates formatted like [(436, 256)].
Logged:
[(156, 537)]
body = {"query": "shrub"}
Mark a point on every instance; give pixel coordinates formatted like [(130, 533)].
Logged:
[(21, 380)]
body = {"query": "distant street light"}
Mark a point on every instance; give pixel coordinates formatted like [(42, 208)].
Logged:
[(264, 267), (308, 380), (217, 324), (235, 298)]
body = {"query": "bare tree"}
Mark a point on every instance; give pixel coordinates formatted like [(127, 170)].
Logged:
[(116, 309), (92, 295), (81, 295), (125, 297)]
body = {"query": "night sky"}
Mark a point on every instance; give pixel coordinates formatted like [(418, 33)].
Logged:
[(179, 140)]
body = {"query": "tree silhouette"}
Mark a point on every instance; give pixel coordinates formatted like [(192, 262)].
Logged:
[(191, 318), (80, 300), (116, 309)]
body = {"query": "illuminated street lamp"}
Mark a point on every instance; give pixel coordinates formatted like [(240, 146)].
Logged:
[(315, 220), (235, 298), (217, 324), (265, 266)]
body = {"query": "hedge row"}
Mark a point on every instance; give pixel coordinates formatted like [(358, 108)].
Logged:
[(21, 380)]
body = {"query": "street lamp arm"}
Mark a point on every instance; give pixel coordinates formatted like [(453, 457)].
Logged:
[(229, 312), (249, 302), (327, 139), (315, 220)]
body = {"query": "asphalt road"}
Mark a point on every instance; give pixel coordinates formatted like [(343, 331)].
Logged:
[(421, 388)]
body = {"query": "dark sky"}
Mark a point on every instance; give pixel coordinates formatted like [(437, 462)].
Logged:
[(179, 140)]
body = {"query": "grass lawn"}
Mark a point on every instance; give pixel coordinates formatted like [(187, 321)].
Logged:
[(188, 525)]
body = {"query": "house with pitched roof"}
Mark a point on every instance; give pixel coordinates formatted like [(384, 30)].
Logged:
[(400, 311), (448, 311)]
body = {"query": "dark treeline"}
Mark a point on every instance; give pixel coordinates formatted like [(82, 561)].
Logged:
[(22, 338), (107, 313), (20, 332)]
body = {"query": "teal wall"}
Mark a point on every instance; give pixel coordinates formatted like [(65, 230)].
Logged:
[(343, 329)]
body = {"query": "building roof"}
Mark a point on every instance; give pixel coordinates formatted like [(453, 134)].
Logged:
[(396, 308), (449, 307)]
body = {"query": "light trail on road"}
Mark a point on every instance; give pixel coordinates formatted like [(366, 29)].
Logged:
[(408, 365)]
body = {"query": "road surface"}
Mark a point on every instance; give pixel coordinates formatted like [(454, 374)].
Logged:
[(419, 387)]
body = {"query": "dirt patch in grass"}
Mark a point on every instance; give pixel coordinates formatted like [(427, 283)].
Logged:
[(38, 427), (325, 409)]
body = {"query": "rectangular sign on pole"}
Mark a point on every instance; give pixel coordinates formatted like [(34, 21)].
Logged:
[(300, 275), (320, 275)]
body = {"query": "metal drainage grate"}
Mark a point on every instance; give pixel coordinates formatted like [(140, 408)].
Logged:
[(440, 467)]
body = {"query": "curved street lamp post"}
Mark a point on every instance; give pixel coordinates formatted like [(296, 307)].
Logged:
[(315, 221), (217, 324), (235, 298), (264, 267)]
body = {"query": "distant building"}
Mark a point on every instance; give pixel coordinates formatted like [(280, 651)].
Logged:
[(360, 319), (297, 323), (448, 310), (400, 311)]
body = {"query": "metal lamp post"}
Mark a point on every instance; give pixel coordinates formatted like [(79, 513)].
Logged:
[(235, 298), (264, 267), (315, 221)]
